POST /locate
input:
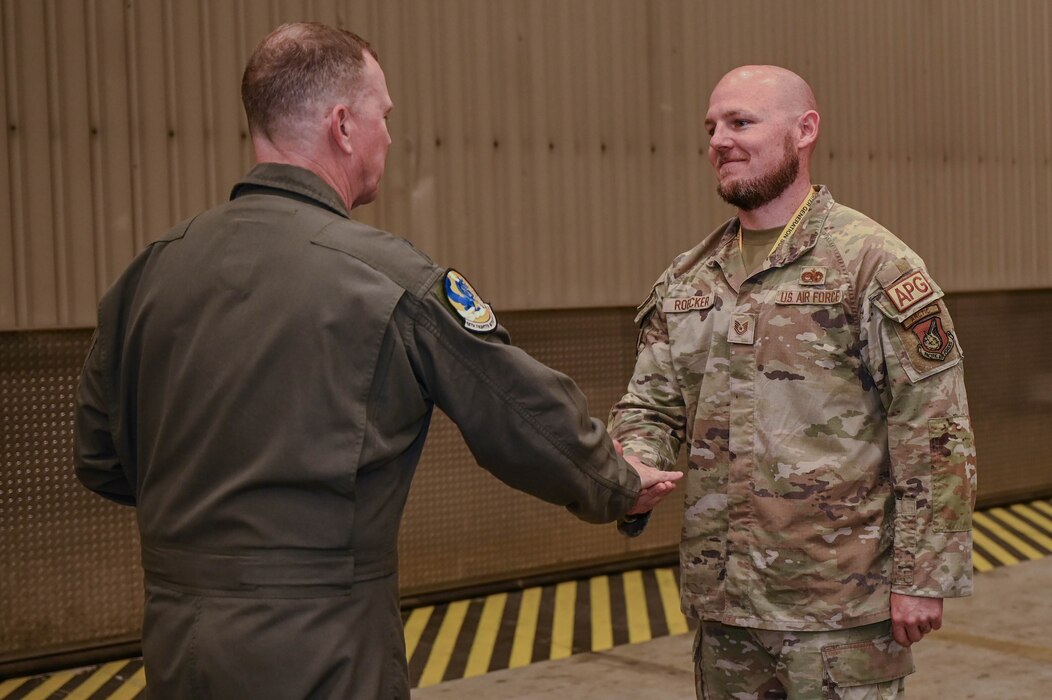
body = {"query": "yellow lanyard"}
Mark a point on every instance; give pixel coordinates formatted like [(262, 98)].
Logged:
[(790, 228)]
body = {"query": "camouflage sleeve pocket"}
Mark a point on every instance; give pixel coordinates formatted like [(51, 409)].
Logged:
[(866, 663), (952, 470)]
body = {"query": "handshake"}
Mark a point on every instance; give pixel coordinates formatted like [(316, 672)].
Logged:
[(654, 483)]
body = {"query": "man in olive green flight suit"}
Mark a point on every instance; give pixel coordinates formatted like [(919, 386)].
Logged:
[(260, 386), (807, 360)]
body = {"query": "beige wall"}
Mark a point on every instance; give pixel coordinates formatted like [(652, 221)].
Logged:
[(122, 117), (550, 149)]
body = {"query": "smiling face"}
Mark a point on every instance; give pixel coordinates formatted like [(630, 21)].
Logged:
[(757, 134)]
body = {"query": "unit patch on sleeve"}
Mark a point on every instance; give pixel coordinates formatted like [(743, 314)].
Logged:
[(934, 342), (929, 345), (911, 289), (477, 314)]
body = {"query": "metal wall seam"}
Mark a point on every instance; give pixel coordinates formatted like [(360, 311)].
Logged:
[(135, 122), (102, 250), (71, 165), (12, 296), (56, 124), (37, 233), (210, 141)]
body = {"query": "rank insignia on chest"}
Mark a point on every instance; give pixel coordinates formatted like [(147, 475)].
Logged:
[(813, 275), (935, 342), (742, 330), (477, 314)]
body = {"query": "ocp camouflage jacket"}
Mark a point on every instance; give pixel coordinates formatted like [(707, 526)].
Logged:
[(822, 401)]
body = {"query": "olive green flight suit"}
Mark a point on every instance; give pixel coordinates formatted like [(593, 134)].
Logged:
[(260, 386)]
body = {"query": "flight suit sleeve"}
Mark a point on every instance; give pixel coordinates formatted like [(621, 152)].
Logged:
[(95, 459), (650, 419), (524, 422), (915, 358)]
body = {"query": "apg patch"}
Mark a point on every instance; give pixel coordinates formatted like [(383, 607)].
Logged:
[(911, 289)]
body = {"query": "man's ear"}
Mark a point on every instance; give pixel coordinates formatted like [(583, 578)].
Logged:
[(341, 127), (808, 125)]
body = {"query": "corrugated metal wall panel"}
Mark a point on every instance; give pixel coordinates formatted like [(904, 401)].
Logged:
[(552, 150), (112, 215), (8, 192), (30, 214)]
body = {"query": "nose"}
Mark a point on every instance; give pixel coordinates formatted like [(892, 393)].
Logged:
[(720, 139)]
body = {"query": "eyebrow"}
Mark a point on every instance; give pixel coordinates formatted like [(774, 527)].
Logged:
[(733, 114)]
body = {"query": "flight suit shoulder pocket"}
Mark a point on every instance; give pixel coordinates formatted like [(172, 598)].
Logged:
[(952, 468), (867, 662)]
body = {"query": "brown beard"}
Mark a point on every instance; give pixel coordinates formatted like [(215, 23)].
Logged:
[(750, 194)]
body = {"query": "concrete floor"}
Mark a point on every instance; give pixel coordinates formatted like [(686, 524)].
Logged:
[(994, 645)]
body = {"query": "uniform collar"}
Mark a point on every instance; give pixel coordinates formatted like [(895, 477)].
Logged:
[(727, 257), (292, 179), (805, 237)]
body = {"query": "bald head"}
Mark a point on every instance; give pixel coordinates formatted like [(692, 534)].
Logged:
[(770, 88), (763, 125)]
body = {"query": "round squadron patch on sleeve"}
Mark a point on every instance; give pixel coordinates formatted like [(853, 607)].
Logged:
[(477, 314)]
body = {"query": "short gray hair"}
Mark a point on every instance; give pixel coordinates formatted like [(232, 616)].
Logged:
[(296, 66)]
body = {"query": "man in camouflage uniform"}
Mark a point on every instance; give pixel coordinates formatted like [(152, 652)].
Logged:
[(808, 360)]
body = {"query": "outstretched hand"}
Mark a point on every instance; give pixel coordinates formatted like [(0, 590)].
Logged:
[(656, 484), (913, 617)]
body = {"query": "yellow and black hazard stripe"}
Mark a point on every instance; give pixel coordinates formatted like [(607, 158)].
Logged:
[(119, 680), (507, 630), (470, 637), (1008, 535)]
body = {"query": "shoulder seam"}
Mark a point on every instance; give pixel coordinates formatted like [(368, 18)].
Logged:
[(417, 290)]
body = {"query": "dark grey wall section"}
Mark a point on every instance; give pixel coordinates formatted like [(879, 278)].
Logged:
[(69, 564), (1007, 342)]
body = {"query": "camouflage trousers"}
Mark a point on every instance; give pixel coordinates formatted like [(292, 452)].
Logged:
[(740, 663)]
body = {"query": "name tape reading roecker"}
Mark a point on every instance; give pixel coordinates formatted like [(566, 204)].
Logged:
[(680, 304)]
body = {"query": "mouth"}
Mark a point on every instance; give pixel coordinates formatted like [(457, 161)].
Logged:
[(726, 165)]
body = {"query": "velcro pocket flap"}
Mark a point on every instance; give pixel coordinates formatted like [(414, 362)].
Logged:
[(864, 663), (905, 289)]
